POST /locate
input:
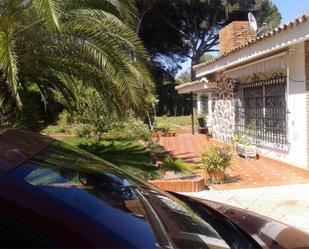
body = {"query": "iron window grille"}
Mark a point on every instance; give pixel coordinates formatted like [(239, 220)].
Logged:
[(261, 110)]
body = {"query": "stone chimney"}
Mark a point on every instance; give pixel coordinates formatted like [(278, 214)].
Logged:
[(234, 35)]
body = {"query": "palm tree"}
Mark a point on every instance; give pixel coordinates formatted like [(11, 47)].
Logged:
[(41, 41)]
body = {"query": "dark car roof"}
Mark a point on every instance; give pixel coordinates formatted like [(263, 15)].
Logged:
[(16, 147)]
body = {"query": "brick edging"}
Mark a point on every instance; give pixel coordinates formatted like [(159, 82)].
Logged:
[(181, 185), (60, 135)]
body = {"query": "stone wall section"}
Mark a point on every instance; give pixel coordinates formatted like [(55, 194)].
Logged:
[(223, 110)]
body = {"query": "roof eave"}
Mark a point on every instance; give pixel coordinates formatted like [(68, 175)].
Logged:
[(235, 57)]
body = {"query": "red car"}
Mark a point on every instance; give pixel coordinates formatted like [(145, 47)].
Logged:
[(53, 195)]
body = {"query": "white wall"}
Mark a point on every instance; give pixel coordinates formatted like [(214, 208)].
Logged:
[(296, 152), (199, 105), (209, 119)]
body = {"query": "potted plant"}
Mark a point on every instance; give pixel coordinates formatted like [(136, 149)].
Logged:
[(245, 147), (215, 160), (245, 144)]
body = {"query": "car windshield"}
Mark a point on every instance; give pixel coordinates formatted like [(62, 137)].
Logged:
[(114, 202)]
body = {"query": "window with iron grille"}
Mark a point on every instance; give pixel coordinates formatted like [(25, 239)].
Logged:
[(261, 111)]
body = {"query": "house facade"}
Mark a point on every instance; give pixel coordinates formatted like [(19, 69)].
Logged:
[(259, 87)]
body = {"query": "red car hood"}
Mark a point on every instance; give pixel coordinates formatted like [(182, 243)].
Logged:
[(267, 232)]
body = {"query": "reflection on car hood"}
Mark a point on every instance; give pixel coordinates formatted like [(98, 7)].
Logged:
[(267, 232), (125, 209), (16, 147)]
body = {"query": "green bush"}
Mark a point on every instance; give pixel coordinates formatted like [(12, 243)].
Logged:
[(83, 130), (216, 159), (31, 115), (134, 129), (65, 118), (176, 165), (139, 129), (90, 110)]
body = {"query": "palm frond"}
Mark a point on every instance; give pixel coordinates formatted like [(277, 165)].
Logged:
[(95, 47), (106, 42), (126, 8), (50, 11), (8, 61), (123, 9)]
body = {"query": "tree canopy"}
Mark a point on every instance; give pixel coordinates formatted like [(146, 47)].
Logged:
[(177, 30), (44, 42)]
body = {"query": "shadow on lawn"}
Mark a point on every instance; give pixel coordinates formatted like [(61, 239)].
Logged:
[(128, 155)]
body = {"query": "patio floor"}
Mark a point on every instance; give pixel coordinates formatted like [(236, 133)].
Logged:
[(243, 173)]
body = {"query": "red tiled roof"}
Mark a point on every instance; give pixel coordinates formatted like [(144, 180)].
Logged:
[(275, 31)]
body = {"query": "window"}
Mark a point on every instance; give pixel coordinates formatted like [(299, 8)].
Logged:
[(203, 104), (260, 110)]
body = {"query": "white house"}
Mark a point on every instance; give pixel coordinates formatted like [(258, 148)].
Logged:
[(259, 84)]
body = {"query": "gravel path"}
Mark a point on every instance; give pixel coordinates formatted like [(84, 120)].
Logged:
[(288, 203)]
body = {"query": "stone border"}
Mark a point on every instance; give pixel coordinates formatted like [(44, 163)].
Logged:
[(181, 185)]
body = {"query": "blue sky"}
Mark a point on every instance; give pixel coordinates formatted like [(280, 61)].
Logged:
[(289, 9)]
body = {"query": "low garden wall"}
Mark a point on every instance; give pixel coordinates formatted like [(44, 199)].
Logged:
[(185, 184)]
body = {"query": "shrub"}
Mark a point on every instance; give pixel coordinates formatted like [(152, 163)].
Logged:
[(156, 148), (65, 118), (216, 159), (27, 118), (90, 109), (83, 130), (133, 129), (176, 165), (139, 129)]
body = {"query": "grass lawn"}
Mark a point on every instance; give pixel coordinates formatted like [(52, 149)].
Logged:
[(129, 155), (174, 123)]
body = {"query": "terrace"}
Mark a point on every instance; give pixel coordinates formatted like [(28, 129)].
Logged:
[(243, 173)]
